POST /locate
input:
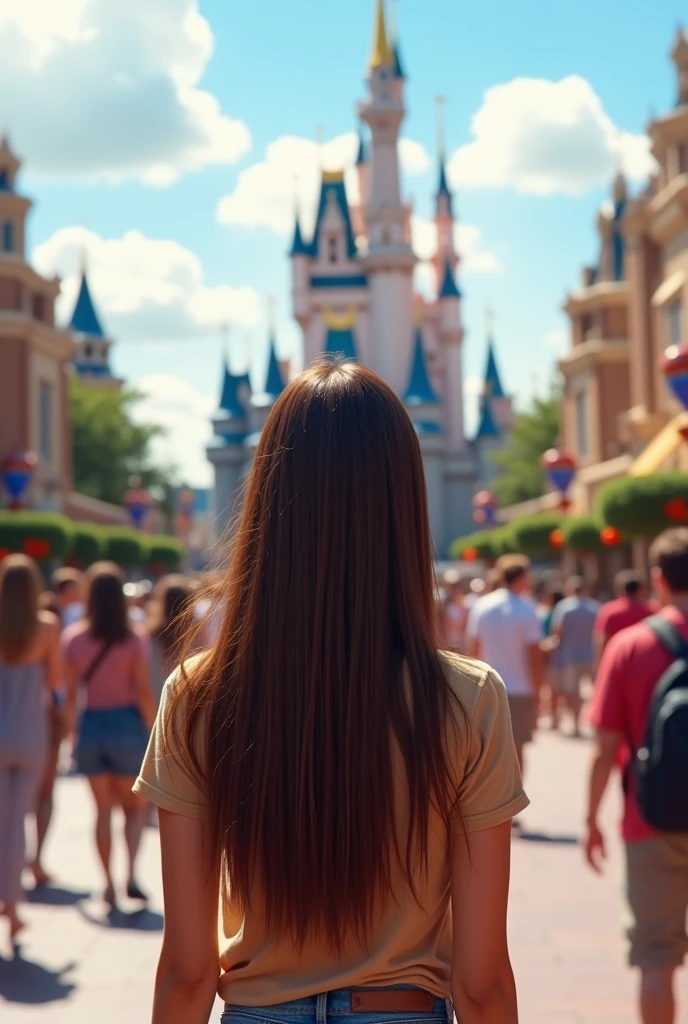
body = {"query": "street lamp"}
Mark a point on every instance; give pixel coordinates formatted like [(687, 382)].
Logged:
[(138, 501), (16, 471), (560, 469)]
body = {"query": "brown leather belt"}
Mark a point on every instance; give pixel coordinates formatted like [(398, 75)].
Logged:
[(375, 1000)]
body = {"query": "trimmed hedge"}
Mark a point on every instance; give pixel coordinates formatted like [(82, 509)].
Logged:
[(125, 546), (530, 534), (643, 506), (164, 553), (488, 544), (42, 535), (582, 533), (88, 545)]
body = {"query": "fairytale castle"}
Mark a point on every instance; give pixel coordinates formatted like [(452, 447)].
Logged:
[(353, 294)]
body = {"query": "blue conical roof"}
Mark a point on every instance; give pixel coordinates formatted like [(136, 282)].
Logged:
[(449, 288), (398, 66), (84, 318), (487, 426), (420, 390), (298, 246), (229, 398), (493, 383), (274, 385), (341, 342), (443, 186)]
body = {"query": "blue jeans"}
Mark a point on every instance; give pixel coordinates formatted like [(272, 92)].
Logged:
[(332, 1008)]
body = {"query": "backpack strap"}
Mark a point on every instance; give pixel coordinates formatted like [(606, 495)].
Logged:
[(669, 636), (96, 662)]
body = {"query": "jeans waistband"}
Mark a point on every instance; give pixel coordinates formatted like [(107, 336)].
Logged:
[(338, 1002)]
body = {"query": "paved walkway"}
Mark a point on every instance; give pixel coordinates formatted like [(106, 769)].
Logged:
[(77, 966)]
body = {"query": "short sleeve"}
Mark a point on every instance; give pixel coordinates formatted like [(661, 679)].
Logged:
[(608, 706), (167, 778), (534, 632), (473, 623), (491, 791)]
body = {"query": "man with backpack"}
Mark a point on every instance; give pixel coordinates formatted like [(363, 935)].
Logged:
[(640, 712)]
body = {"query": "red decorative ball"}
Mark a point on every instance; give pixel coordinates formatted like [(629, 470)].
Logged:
[(36, 547), (677, 510), (610, 536), (4, 552), (470, 555), (556, 539)]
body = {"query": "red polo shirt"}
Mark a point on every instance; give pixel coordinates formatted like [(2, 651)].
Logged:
[(632, 665), (620, 614)]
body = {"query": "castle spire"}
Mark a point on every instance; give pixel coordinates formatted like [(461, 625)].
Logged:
[(492, 381), (381, 54), (444, 196), (84, 319)]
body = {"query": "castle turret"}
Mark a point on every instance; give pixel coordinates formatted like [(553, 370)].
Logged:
[(390, 259), (363, 172), (92, 347), (226, 451), (341, 339), (679, 55), (496, 414), (299, 272), (425, 409), (13, 207)]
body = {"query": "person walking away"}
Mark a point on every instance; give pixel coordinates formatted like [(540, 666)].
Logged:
[(29, 671), (628, 608), (106, 668), (633, 664), (453, 611), (171, 600), (68, 587), (324, 765), (504, 630), (65, 600), (573, 622), (550, 650)]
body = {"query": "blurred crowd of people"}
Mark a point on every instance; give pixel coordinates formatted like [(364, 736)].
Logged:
[(93, 651)]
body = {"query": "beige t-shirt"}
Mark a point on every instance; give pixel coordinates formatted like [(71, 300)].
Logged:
[(411, 941)]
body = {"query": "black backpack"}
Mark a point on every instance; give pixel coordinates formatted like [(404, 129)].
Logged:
[(660, 766)]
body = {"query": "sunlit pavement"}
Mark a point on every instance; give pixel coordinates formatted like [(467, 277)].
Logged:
[(79, 966)]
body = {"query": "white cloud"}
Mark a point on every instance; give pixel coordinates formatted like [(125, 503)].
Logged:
[(557, 340), (266, 191), (473, 387), (543, 137), (93, 89), (468, 243), (146, 289), (185, 415)]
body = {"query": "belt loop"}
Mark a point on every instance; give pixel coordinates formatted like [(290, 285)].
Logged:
[(321, 1008)]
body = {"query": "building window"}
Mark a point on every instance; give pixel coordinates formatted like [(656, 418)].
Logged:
[(673, 323), (88, 351), (8, 236), (582, 424), (332, 249), (45, 421)]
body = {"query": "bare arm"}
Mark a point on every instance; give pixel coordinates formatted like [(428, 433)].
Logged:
[(600, 642), (536, 666), (188, 968), (603, 760), (51, 655), (482, 981), (144, 693)]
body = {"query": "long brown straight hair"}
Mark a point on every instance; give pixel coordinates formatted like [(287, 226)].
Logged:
[(328, 595), (20, 591)]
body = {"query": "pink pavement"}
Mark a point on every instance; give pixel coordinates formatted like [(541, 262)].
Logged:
[(565, 922)]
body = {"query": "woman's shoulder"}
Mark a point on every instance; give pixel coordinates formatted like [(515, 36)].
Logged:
[(183, 676), (469, 679), (75, 635), (48, 621)]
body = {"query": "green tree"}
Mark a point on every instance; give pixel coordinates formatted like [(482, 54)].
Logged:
[(520, 474), (109, 446)]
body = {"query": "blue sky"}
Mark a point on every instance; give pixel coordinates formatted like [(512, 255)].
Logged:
[(137, 121)]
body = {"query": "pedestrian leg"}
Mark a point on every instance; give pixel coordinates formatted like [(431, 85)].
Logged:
[(134, 809), (103, 794), (657, 1004)]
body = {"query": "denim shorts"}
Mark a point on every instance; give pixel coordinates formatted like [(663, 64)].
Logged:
[(111, 742), (333, 1007)]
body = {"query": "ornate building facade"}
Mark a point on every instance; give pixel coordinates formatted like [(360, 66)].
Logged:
[(353, 295), (618, 415)]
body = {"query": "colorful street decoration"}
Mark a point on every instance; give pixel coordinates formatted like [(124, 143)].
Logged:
[(674, 366), (610, 536), (556, 539), (138, 501), (185, 510), (485, 505), (16, 471), (560, 468)]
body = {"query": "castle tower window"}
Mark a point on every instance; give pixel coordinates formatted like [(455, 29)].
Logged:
[(8, 236), (88, 351), (332, 250)]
